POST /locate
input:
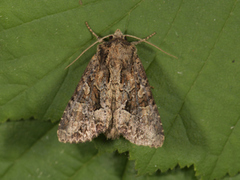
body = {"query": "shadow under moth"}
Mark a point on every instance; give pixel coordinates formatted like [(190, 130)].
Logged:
[(113, 97)]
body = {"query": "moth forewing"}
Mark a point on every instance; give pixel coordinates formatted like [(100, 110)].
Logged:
[(113, 97)]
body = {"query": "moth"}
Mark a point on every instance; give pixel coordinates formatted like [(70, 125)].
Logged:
[(113, 97)]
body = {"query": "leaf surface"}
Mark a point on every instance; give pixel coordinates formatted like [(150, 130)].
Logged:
[(197, 94)]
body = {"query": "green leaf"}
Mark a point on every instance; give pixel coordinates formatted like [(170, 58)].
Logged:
[(197, 94), (30, 150), (37, 154)]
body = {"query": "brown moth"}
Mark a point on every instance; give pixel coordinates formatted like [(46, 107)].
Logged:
[(113, 97)]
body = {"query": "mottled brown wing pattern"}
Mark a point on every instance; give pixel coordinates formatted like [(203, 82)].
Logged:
[(83, 118), (113, 97), (138, 120), (147, 120)]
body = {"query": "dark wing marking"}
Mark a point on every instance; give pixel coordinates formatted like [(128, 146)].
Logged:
[(85, 117), (138, 119)]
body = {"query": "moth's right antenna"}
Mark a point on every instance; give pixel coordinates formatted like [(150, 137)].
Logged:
[(99, 40)]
